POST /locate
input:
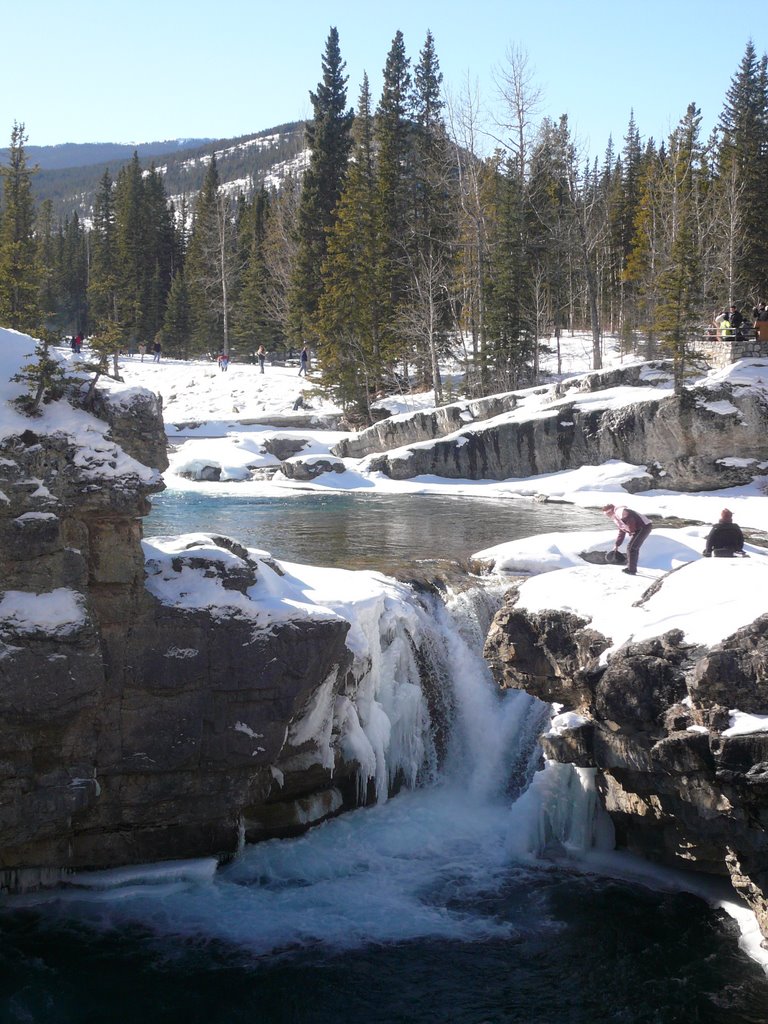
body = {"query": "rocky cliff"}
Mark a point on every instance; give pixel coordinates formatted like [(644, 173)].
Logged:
[(681, 786), (134, 728), (407, 428), (686, 441)]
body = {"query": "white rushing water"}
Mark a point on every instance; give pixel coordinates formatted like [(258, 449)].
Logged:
[(411, 867)]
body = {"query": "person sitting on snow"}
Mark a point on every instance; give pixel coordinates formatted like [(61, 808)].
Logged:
[(631, 524), (725, 538)]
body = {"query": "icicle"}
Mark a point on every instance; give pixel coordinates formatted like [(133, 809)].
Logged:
[(560, 814)]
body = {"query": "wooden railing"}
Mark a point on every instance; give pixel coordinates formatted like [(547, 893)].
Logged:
[(747, 332)]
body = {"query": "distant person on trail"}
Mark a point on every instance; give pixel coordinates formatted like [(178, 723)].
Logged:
[(157, 348), (77, 342), (261, 352), (760, 313), (303, 361), (725, 538), (142, 350), (223, 361), (631, 524)]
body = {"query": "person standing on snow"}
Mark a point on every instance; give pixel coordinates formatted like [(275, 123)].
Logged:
[(303, 361), (631, 524), (725, 538)]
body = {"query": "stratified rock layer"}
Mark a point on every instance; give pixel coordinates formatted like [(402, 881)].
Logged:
[(686, 442)]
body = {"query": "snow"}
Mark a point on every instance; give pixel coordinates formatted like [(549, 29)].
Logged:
[(57, 612), (563, 723), (743, 724)]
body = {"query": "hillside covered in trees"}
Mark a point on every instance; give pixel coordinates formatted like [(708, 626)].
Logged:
[(388, 239)]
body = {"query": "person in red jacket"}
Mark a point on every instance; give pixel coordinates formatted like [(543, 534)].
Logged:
[(631, 524)]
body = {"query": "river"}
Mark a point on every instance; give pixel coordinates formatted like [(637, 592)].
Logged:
[(429, 907), (358, 531)]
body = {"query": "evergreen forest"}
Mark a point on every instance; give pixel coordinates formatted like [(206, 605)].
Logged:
[(399, 241)]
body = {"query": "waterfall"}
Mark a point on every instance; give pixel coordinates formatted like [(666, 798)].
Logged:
[(426, 707), (428, 716)]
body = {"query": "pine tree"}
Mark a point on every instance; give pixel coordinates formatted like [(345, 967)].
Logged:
[(211, 266), (43, 374), (19, 269), (507, 330), (130, 250), (162, 248), (643, 264), (328, 137), (744, 174), (426, 317), (350, 309), (679, 282), (392, 140), (176, 330), (72, 278), (625, 199), (46, 240), (103, 281)]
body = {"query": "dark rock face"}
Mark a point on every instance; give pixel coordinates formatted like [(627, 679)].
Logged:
[(311, 467), (134, 423), (131, 730), (677, 786), (284, 447), (550, 654)]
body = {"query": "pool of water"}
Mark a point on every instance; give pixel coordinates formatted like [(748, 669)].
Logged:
[(561, 949), (354, 531)]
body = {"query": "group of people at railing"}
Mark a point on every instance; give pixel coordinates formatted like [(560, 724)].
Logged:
[(730, 324)]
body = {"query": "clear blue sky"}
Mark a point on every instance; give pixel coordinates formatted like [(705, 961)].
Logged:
[(91, 71)]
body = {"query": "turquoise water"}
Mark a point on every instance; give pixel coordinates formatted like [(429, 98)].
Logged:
[(360, 531)]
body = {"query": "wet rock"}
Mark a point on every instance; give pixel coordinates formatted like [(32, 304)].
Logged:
[(679, 787), (571, 746), (551, 655)]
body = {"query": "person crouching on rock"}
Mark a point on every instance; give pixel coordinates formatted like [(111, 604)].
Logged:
[(631, 524), (725, 538)]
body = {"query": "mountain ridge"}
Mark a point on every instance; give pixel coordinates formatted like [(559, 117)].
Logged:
[(249, 160)]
